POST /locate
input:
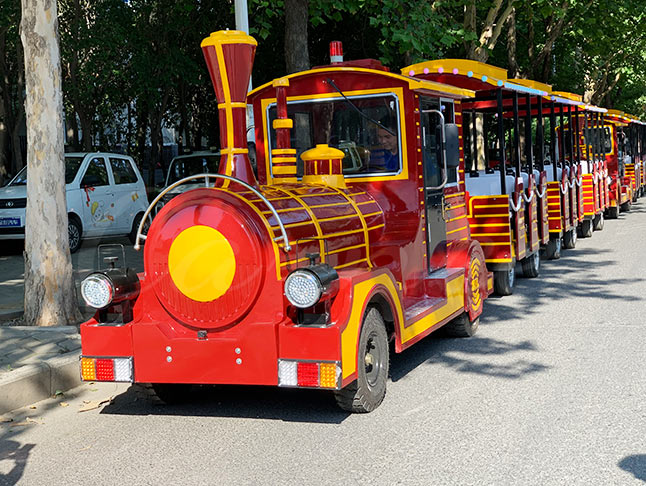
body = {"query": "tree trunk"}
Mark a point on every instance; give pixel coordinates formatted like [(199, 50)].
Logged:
[(297, 56), (50, 296), (511, 45)]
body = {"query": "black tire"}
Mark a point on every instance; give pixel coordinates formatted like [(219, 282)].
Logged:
[(503, 281), (172, 393), (373, 361), (613, 212), (135, 226), (569, 239), (625, 207), (74, 233), (531, 265), (597, 222), (585, 228), (553, 249), (462, 326)]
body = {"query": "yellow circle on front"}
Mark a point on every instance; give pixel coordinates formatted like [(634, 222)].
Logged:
[(201, 263)]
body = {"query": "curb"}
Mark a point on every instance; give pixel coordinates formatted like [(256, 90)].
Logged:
[(8, 316), (34, 382)]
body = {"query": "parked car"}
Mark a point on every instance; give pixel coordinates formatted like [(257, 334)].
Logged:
[(105, 193), (187, 165)]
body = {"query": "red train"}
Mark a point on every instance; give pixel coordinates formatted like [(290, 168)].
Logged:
[(354, 235)]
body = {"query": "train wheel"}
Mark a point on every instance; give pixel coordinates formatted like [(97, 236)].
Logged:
[(625, 207), (597, 222), (613, 212), (553, 249), (503, 281), (585, 228), (369, 389), (173, 393), (531, 265), (569, 239), (462, 326)]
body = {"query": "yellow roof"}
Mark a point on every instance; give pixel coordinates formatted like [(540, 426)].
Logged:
[(568, 96), (412, 82), (472, 69), (530, 83)]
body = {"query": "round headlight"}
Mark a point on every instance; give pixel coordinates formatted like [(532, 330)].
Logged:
[(97, 290), (303, 289)]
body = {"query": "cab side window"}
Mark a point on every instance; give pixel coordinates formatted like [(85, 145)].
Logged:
[(122, 171), (96, 174)]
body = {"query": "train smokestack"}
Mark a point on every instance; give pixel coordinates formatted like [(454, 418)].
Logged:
[(229, 56)]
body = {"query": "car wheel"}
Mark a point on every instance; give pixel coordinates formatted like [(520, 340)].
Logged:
[(569, 239), (531, 265), (553, 249), (585, 228), (503, 281), (135, 226), (74, 233), (462, 326), (613, 212), (369, 389)]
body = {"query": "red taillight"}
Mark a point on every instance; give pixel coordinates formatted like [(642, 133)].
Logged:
[(104, 370), (308, 374)]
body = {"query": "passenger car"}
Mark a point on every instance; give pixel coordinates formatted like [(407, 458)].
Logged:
[(105, 196)]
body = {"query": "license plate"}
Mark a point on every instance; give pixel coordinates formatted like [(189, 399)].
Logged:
[(9, 221)]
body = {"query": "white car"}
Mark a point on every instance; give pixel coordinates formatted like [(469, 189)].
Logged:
[(187, 165), (105, 193)]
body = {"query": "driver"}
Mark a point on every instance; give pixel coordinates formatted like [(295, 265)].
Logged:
[(386, 156)]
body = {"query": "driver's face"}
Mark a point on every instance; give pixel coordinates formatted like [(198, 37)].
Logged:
[(387, 140)]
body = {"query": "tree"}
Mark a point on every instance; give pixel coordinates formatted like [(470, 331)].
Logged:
[(12, 109), (297, 55), (50, 297)]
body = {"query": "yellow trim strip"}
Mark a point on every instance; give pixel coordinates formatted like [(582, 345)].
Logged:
[(283, 151), (456, 230), (489, 234), (233, 104), (338, 267)]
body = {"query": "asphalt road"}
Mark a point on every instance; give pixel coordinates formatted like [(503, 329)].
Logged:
[(551, 391)]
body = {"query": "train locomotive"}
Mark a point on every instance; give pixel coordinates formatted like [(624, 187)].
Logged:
[(352, 239)]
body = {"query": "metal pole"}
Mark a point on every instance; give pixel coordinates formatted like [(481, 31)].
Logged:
[(529, 152), (474, 136), (501, 144), (516, 135), (561, 139), (578, 135), (570, 122), (552, 142), (540, 135)]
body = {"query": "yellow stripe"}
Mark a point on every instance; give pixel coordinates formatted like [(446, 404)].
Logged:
[(493, 243), (490, 234), (233, 104), (290, 262), (376, 227), (490, 215), (347, 248), (280, 160), (344, 203), (462, 216), (367, 202), (489, 225), (456, 230), (283, 151), (350, 335), (497, 260), (288, 170), (293, 225), (228, 110), (283, 210), (335, 218), (491, 206), (373, 214), (338, 267), (456, 207)]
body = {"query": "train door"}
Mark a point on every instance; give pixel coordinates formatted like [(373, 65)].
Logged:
[(434, 179)]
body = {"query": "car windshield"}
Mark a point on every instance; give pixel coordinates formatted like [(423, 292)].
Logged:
[(194, 164), (72, 165)]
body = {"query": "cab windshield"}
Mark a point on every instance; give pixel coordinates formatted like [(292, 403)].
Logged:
[(72, 165), (195, 164), (370, 140)]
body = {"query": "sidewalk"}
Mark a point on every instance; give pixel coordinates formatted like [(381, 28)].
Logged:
[(36, 362)]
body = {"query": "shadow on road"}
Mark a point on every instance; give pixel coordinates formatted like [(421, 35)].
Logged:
[(255, 402), (635, 465), (16, 455)]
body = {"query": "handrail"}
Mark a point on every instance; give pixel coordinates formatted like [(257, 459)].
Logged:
[(206, 177), (527, 199), (540, 195), (515, 208)]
